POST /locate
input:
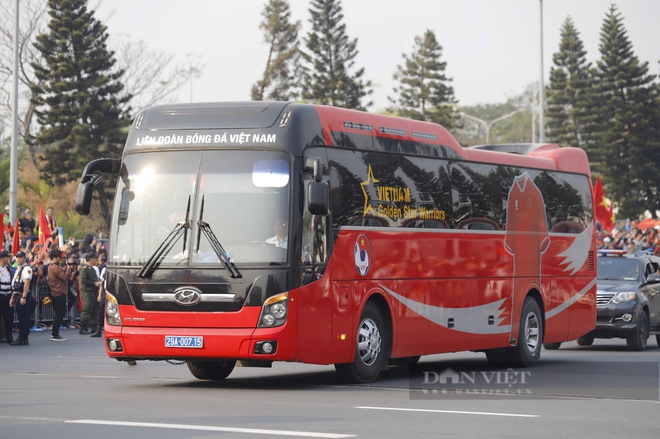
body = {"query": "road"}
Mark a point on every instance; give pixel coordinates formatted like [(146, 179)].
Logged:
[(72, 390)]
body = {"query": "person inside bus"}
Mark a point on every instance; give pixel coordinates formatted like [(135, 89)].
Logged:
[(280, 239)]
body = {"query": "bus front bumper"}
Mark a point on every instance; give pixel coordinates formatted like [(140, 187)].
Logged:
[(148, 343)]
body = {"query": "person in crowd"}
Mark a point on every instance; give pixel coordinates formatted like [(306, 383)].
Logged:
[(58, 280), (73, 263), (100, 317), (22, 299), (89, 244), (6, 310), (639, 240), (26, 221), (90, 284), (24, 238), (280, 239), (50, 221)]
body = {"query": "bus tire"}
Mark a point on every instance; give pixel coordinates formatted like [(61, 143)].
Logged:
[(370, 350), (552, 346), (585, 341), (211, 370), (530, 335), (530, 340), (657, 340)]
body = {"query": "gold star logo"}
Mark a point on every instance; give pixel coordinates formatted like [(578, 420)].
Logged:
[(370, 180)]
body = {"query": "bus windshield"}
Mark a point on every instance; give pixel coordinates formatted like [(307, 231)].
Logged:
[(243, 196)]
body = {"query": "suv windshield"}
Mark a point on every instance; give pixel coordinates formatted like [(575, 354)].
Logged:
[(618, 268), (243, 196)]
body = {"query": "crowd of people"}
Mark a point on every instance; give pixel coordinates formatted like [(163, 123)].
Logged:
[(60, 274), (631, 238)]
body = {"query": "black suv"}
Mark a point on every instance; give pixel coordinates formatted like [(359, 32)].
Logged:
[(628, 298)]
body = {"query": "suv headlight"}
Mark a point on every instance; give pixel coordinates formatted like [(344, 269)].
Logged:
[(623, 297), (274, 311), (112, 310)]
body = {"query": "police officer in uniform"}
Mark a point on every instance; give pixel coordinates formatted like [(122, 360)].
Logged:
[(6, 311), (22, 299)]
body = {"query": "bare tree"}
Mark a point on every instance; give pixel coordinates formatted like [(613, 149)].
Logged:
[(32, 22), (150, 75)]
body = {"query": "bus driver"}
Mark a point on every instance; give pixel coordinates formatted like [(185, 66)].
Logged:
[(280, 239)]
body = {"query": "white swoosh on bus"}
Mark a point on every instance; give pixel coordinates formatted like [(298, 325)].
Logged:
[(473, 320), (556, 310), (576, 254)]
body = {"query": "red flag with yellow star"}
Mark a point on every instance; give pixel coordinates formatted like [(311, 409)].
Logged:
[(603, 212)]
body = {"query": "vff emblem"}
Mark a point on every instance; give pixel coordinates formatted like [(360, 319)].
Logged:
[(187, 296)]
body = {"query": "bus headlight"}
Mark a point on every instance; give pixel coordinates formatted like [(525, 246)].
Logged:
[(112, 310), (623, 297), (274, 311)]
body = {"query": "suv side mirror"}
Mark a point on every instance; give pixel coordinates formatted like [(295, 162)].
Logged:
[(653, 279)]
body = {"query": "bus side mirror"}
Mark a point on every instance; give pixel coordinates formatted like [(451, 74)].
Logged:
[(84, 197), (92, 175), (314, 165), (318, 196)]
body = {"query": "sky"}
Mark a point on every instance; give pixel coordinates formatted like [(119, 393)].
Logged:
[(492, 47)]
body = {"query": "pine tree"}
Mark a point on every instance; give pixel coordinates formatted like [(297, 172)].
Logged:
[(569, 116), (424, 92), (626, 106), (280, 78), (78, 103), (329, 78)]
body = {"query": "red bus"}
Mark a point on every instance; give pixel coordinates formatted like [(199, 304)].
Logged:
[(260, 232)]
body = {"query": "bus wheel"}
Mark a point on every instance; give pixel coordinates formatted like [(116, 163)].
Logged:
[(370, 352), (585, 341), (530, 339), (530, 336), (211, 370), (552, 346)]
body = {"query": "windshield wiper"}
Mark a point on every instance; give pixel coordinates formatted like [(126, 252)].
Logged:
[(164, 248), (215, 244)]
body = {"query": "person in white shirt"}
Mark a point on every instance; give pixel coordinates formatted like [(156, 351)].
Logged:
[(280, 239), (6, 311), (22, 298)]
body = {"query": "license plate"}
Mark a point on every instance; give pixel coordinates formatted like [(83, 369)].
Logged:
[(183, 342)]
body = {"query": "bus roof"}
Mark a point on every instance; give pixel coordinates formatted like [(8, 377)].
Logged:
[(204, 124)]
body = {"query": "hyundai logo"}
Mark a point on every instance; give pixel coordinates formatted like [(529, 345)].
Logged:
[(187, 296)]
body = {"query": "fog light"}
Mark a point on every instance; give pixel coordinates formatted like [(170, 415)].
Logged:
[(626, 317), (114, 345), (265, 347)]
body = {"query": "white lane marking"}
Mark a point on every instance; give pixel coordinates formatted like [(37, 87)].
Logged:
[(515, 415), (210, 428)]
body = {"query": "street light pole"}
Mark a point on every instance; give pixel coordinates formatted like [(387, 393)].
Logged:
[(13, 160), (542, 93), (488, 125)]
